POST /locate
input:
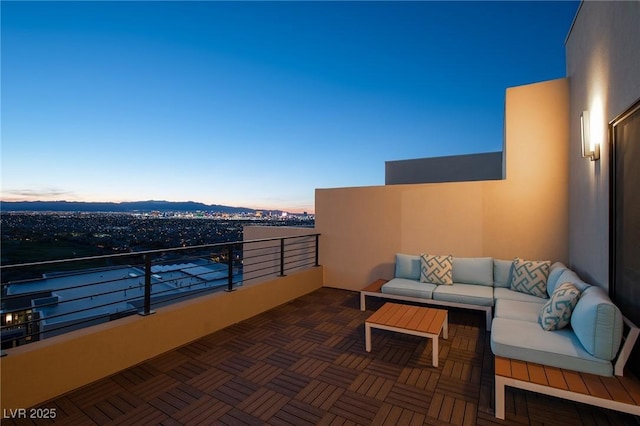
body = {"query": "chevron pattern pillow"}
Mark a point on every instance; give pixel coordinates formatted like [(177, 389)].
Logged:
[(530, 277), (556, 313), (436, 269)]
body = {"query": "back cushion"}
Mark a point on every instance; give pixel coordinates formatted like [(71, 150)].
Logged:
[(502, 273), (597, 323), (555, 271), (407, 266), (568, 276), (473, 270)]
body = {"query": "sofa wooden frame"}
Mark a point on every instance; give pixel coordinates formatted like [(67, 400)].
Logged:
[(615, 393), (373, 290)]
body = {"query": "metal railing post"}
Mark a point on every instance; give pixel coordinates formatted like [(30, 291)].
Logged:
[(282, 257), (230, 268), (146, 310), (317, 249)]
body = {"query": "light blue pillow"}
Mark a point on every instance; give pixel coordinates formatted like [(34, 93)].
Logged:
[(407, 266), (556, 313), (473, 270), (597, 323), (502, 270)]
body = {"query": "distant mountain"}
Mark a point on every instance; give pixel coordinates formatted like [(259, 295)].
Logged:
[(125, 207)]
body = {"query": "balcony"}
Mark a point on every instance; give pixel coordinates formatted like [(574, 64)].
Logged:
[(74, 315), (304, 362)]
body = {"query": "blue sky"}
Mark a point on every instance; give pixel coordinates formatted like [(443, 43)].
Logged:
[(256, 104)]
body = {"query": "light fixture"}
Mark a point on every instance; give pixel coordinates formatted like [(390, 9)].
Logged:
[(590, 149)]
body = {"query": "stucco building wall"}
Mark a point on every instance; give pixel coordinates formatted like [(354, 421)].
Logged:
[(603, 67)]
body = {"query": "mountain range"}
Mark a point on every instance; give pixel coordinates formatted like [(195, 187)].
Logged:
[(124, 207)]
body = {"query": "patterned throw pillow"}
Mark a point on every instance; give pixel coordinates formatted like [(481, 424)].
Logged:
[(530, 277), (436, 269), (556, 313)]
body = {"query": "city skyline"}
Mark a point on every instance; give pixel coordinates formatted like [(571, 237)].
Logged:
[(256, 104)]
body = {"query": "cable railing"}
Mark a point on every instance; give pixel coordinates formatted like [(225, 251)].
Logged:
[(81, 292)]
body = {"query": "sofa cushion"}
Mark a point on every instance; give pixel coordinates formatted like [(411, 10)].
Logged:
[(597, 323), (502, 270), (505, 293), (473, 270), (568, 276), (556, 313), (407, 266), (555, 271), (518, 310), (464, 293), (436, 269), (410, 288), (530, 276), (527, 341)]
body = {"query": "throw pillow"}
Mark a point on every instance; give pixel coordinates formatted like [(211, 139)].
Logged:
[(556, 313), (436, 269), (530, 277)]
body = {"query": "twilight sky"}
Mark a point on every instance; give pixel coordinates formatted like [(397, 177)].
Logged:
[(255, 104)]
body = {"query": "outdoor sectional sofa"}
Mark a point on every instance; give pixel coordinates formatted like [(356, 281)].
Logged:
[(592, 344)]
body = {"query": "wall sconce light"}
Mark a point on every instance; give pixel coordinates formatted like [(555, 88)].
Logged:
[(589, 149)]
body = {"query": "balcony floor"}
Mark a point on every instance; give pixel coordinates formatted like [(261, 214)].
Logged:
[(305, 363)]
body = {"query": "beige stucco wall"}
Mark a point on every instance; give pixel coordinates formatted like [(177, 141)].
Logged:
[(603, 67), (525, 215), (37, 372)]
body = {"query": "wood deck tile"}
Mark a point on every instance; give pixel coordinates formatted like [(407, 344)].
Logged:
[(304, 363)]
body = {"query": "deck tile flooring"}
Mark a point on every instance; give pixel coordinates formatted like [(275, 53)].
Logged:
[(304, 363)]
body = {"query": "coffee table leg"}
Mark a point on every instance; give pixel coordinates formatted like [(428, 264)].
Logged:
[(367, 337), (434, 356), (445, 327)]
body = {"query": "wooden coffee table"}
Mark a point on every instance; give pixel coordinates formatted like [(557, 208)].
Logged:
[(415, 320)]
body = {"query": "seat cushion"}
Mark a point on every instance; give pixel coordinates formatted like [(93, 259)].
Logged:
[(473, 270), (470, 294), (527, 341), (518, 310), (505, 293), (409, 288)]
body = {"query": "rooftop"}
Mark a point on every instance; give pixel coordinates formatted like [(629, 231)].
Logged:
[(304, 362)]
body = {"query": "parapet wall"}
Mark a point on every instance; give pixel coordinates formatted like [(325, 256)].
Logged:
[(454, 168), (525, 214)]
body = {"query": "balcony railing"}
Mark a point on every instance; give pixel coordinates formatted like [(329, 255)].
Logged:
[(45, 299)]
